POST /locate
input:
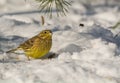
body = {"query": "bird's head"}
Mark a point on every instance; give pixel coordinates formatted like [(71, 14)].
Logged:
[(45, 34)]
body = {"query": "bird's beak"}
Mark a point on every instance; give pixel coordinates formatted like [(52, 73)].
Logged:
[(51, 33)]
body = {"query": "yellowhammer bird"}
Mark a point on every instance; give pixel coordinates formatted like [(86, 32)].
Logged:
[(37, 46)]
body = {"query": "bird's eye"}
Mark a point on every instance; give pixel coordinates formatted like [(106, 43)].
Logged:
[(45, 32)]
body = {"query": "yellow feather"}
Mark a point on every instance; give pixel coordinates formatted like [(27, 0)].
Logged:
[(37, 46)]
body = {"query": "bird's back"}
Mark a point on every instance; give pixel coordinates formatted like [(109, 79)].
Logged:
[(36, 47)]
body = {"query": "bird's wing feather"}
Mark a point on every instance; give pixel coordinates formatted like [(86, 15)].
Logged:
[(28, 44)]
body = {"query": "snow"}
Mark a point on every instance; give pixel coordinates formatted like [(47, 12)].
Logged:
[(83, 54)]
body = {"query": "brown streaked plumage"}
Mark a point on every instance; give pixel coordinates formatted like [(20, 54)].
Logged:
[(37, 46)]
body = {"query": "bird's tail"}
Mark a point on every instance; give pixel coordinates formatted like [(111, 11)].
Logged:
[(12, 51)]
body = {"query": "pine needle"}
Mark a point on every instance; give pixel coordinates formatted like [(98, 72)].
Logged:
[(61, 6), (42, 20)]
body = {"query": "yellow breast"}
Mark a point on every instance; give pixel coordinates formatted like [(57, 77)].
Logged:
[(39, 49)]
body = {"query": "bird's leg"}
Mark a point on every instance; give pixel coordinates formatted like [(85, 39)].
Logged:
[(28, 58)]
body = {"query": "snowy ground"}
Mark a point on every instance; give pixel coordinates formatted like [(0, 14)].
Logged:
[(88, 54)]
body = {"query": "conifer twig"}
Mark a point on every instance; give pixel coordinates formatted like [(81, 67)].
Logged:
[(61, 6)]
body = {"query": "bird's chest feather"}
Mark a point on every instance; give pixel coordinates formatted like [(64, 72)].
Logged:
[(39, 49)]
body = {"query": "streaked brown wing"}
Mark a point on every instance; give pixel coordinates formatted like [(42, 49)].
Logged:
[(28, 44)]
